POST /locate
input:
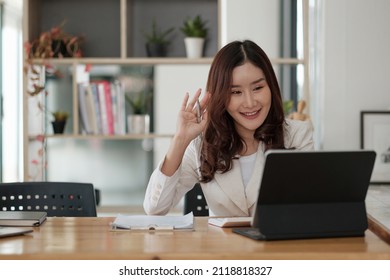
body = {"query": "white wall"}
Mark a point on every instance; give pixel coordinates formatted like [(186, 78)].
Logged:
[(257, 20), (171, 83), (356, 63)]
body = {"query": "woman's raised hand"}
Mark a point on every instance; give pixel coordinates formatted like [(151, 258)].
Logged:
[(188, 128), (187, 123)]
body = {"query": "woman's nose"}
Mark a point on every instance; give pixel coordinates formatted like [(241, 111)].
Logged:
[(249, 100)]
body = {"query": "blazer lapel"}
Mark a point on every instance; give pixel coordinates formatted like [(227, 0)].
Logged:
[(231, 184)]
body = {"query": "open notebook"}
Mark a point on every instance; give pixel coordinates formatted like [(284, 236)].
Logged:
[(150, 222)]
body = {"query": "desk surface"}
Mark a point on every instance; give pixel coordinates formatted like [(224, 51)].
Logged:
[(378, 209), (91, 238)]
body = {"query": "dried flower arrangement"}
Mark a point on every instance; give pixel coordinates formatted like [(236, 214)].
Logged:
[(54, 43)]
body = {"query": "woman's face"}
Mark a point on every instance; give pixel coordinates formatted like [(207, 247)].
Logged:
[(250, 99)]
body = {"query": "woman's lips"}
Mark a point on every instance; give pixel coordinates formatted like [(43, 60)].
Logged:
[(250, 115)]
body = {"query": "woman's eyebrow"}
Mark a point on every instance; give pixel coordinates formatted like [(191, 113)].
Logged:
[(254, 82), (258, 81)]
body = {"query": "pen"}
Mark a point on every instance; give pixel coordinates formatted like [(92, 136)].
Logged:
[(198, 114)]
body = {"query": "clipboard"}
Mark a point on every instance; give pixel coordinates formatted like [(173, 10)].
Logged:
[(152, 223)]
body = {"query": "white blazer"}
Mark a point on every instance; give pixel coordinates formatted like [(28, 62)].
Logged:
[(225, 194)]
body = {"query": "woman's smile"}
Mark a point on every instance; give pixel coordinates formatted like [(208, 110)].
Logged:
[(251, 115)]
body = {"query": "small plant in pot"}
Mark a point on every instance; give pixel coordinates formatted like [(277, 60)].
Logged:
[(139, 121), (195, 32), (157, 41), (60, 118)]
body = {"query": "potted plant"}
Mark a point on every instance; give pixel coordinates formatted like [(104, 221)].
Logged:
[(54, 43), (139, 120), (195, 31), (157, 41), (287, 107), (59, 122)]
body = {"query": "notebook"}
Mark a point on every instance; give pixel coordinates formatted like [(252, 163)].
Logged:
[(13, 231), (312, 195), (22, 218), (230, 221)]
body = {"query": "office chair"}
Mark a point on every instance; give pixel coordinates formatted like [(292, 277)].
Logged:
[(194, 201), (55, 198)]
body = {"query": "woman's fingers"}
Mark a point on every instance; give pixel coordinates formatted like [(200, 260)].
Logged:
[(191, 104), (185, 100)]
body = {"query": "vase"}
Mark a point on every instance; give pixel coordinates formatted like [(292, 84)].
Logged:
[(156, 50), (59, 49), (194, 47), (58, 127), (138, 124)]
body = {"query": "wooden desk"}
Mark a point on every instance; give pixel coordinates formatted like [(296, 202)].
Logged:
[(378, 205), (91, 238)]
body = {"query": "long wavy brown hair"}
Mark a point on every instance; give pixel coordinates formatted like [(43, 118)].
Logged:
[(221, 143)]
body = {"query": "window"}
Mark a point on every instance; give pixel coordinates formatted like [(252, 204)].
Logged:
[(11, 91)]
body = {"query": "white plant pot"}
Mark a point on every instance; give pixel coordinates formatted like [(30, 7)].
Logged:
[(194, 47), (138, 124)]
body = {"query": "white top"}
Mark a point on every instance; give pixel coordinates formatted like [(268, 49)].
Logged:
[(247, 163), (225, 194)]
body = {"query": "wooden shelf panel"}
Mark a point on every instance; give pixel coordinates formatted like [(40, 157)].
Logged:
[(149, 61), (126, 61), (104, 137)]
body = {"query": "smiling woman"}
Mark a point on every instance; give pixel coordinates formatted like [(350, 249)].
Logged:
[(242, 118)]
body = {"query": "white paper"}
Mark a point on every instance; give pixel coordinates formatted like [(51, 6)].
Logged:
[(147, 222), (231, 221)]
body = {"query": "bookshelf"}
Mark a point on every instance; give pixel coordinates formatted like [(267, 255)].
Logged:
[(119, 22)]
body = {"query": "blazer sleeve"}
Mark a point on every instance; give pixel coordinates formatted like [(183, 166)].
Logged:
[(299, 135), (164, 192)]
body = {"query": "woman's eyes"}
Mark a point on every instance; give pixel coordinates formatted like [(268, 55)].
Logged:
[(256, 88)]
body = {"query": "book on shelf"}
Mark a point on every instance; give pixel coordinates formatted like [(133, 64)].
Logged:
[(91, 110), (102, 106), (95, 95), (83, 108), (118, 105), (22, 218)]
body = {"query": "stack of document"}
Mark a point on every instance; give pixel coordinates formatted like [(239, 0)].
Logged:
[(22, 218), (145, 222)]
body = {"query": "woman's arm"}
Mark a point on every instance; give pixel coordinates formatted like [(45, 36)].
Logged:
[(299, 135), (175, 176), (188, 129), (164, 192)]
